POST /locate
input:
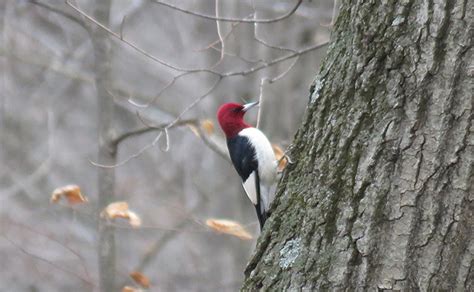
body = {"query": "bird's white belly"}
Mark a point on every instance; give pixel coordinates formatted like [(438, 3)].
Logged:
[(267, 164)]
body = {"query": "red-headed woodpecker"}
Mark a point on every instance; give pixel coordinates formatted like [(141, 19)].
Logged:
[(252, 155)]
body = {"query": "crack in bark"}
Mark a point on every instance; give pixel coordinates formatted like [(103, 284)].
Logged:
[(420, 160)]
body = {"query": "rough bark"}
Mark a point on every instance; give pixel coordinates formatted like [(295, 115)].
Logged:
[(107, 150), (381, 192)]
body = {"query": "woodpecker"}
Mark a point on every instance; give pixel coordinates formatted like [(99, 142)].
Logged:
[(251, 154)]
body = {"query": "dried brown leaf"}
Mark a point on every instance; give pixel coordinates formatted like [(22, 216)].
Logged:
[(72, 193), (229, 227), (133, 219), (208, 126), (114, 208), (280, 157), (120, 210), (130, 289), (194, 129), (140, 279)]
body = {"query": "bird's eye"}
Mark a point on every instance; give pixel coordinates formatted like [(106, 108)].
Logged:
[(235, 110)]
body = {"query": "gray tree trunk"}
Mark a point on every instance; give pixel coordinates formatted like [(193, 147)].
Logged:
[(381, 192), (107, 150)]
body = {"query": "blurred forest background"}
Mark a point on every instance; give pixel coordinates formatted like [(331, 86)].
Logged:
[(49, 134)]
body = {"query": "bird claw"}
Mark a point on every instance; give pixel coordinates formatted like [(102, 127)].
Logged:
[(288, 159)]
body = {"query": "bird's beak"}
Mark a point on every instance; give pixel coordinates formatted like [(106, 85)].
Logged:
[(250, 105)]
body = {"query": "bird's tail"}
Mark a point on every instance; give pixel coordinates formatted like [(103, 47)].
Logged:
[(262, 202), (261, 214)]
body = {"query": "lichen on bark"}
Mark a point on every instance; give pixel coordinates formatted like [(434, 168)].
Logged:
[(380, 195)]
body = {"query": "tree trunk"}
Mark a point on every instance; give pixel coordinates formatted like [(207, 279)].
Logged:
[(107, 151), (380, 195)]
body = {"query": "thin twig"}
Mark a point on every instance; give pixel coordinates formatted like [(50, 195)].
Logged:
[(162, 90), (231, 19), (221, 151), (268, 45), (60, 12), (148, 257), (270, 81), (260, 101), (118, 36), (278, 77), (335, 9), (260, 40), (47, 261), (164, 129), (122, 25), (194, 122), (195, 102), (205, 70), (167, 141), (245, 59), (275, 61), (221, 38), (148, 129), (63, 245), (265, 79), (185, 71), (213, 46), (135, 155)]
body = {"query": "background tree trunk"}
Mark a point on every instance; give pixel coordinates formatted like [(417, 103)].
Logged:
[(380, 194), (107, 151)]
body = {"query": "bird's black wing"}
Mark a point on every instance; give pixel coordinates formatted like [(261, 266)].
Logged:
[(242, 154)]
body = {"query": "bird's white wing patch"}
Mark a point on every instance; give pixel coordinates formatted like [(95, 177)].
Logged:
[(250, 189), (267, 164)]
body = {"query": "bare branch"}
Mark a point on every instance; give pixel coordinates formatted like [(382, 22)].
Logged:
[(63, 245), (265, 79), (59, 11), (335, 8), (195, 102), (221, 151), (119, 37), (148, 129), (164, 129), (260, 101), (270, 81), (230, 19), (275, 61), (166, 87), (205, 70), (245, 59), (185, 71), (194, 122), (135, 155), (278, 77), (26, 183), (260, 40), (148, 257), (221, 38), (56, 266), (122, 25), (167, 141), (268, 45)]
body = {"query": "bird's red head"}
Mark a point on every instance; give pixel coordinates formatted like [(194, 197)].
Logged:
[(231, 117)]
